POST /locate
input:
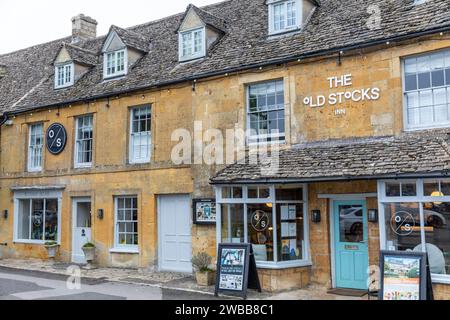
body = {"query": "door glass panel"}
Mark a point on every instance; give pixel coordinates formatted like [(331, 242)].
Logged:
[(83, 215), (351, 223)]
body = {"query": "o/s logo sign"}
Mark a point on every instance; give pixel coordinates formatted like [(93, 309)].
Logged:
[(56, 138), (403, 223), (260, 220)]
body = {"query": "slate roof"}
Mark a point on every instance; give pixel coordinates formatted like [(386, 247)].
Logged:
[(334, 25), (81, 55), (132, 39), (426, 154)]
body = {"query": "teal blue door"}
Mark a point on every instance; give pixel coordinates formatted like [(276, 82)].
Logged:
[(350, 243)]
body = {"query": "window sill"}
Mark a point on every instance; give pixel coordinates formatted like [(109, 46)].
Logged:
[(32, 242), (124, 250), (83, 166), (283, 265), (440, 278)]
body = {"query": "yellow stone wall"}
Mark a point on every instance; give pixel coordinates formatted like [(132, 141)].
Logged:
[(218, 103)]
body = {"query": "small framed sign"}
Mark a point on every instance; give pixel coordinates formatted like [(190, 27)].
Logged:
[(204, 211), (403, 275), (236, 270), (56, 138)]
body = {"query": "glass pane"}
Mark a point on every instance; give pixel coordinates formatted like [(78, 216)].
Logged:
[(437, 235), (402, 226), (445, 188), (409, 189), (232, 223), (260, 231), (392, 189), (431, 189), (424, 80), (51, 220), (289, 194), (237, 193), (253, 192), (290, 231), (447, 76), (410, 66), (411, 82), (437, 78), (351, 223), (264, 193), (37, 219), (24, 220), (226, 192)]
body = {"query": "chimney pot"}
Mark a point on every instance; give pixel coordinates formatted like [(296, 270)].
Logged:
[(83, 28)]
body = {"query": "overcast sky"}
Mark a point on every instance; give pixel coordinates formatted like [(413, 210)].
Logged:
[(24, 23)]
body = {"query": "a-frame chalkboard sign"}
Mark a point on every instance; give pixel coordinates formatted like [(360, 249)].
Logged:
[(236, 270)]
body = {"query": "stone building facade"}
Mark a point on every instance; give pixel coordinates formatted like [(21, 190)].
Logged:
[(350, 135)]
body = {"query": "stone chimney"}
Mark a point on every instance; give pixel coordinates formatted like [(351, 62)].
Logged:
[(83, 28)]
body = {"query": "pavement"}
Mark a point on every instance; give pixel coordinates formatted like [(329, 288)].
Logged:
[(44, 280)]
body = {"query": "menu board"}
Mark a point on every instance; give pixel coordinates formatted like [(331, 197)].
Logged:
[(403, 275), (236, 269)]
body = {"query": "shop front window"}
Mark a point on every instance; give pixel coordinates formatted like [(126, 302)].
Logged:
[(420, 223), (37, 220), (271, 218)]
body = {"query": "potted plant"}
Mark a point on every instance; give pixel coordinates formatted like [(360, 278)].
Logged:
[(52, 248), (204, 274), (89, 252)]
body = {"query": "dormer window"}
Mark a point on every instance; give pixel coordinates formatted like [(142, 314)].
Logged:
[(284, 16), (115, 63), (64, 75), (192, 44)]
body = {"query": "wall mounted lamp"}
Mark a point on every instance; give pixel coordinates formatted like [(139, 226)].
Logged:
[(5, 214), (316, 216), (100, 214), (373, 215)]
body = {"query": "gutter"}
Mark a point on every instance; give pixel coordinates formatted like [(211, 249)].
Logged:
[(3, 120), (329, 179), (247, 67)]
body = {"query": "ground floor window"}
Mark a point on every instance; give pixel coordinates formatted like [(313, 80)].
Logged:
[(37, 220), (271, 218), (126, 221), (419, 220)]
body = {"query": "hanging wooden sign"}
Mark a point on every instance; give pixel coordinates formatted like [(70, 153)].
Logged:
[(236, 270)]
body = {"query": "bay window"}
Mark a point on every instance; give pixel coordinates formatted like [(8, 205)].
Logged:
[(427, 90), (272, 218), (418, 220), (140, 134)]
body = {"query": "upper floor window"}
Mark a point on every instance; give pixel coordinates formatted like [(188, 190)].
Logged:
[(35, 148), (64, 75), (115, 63), (84, 141), (192, 44), (427, 90), (284, 15), (140, 135), (266, 114)]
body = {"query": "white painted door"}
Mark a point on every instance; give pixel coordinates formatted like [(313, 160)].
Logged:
[(81, 228), (175, 248)]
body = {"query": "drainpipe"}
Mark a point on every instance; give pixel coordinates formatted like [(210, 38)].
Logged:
[(4, 118)]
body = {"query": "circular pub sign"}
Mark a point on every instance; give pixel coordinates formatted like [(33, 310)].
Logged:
[(56, 138)]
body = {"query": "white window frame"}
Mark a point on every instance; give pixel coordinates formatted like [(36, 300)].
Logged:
[(66, 82), (407, 125), (31, 195), (124, 248), (280, 136), (306, 261), (299, 10), (132, 159), (196, 55), (420, 199), (78, 142), (116, 73), (31, 148)]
